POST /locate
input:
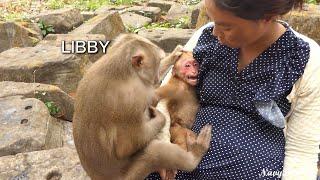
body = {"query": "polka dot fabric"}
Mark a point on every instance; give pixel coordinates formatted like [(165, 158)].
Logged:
[(244, 145)]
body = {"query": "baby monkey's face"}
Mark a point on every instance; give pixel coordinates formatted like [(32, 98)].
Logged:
[(187, 68)]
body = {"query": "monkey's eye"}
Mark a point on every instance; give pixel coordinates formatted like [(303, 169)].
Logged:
[(187, 65)]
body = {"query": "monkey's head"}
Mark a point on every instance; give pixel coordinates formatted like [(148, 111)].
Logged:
[(186, 68), (136, 56), (145, 58)]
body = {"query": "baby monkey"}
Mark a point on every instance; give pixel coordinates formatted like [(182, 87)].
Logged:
[(182, 103)]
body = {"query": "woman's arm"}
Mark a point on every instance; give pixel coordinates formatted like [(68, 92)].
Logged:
[(303, 128)]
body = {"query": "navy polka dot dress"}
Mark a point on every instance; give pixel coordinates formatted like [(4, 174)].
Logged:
[(246, 143)]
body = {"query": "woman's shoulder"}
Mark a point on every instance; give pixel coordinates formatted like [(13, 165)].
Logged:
[(309, 83)]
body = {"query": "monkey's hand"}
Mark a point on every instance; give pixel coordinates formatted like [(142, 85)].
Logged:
[(167, 174), (200, 145)]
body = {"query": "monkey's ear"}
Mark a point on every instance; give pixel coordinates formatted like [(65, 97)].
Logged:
[(137, 60)]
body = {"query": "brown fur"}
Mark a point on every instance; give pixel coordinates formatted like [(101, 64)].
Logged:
[(182, 105), (114, 126)]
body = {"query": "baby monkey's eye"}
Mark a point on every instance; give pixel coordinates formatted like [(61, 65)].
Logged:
[(187, 65)]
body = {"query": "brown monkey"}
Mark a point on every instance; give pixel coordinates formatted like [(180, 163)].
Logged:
[(114, 126), (182, 103)]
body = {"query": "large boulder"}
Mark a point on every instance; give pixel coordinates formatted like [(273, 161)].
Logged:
[(203, 18), (44, 92), (109, 24), (23, 125), (167, 39), (16, 35), (178, 11), (56, 40), (63, 20), (163, 5), (108, 8), (60, 163), (150, 12), (134, 20), (45, 64), (195, 14)]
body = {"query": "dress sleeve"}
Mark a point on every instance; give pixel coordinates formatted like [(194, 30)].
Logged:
[(303, 126)]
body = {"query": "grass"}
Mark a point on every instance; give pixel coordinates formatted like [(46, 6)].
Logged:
[(88, 5), (180, 23)]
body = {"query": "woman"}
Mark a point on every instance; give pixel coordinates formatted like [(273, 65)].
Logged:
[(254, 72)]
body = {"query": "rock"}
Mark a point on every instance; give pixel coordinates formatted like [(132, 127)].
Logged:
[(56, 39), (59, 134), (163, 5), (150, 12), (67, 134), (167, 39), (178, 11), (15, 35), (63, 20), (108, 9), (88, 15), (43, 92), (305, 22), (109, 24), (195, 14), (60, 163), (23, 125), (45, 64), (203, 17), (33, 26), (134, 20)]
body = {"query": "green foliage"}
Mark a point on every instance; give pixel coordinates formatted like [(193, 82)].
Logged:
[(180, 23), (313, 1), (55, 4), (88, 5), (192, 2), (45, 29), (53, 109)]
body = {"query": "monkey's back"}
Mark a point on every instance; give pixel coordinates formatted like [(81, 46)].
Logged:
[(103, 101)]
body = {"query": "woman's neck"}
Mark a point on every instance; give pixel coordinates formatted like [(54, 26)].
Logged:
[(272, 34)]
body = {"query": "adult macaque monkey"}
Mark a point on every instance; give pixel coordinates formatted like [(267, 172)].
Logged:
[(182, 103), (114, 126)]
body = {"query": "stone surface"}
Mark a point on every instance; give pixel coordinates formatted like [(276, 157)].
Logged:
[(108, 9), (45, 64), (60, 163), (167, 39), (23, 125), (178, 11), (195, 14), (134, 20), (305, 22), (88, 15), (163, 5), (59, 134), (203, 17), (150, 12), (56, 40), (15, 35), (109, 24), (63, 20), (43, 92)]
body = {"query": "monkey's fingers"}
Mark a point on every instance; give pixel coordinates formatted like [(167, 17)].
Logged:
[(204, 136), (190, 141)]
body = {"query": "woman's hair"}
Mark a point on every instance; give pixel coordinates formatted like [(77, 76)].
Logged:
[(258, 9)]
